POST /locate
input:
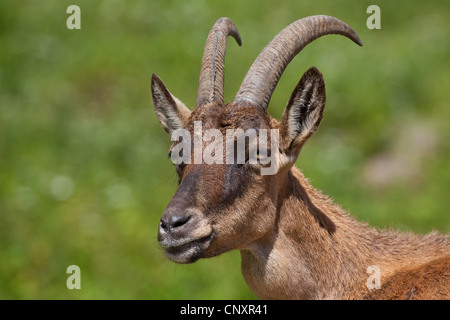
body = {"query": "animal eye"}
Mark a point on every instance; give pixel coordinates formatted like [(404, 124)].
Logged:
[(258, 158), (179, 168)]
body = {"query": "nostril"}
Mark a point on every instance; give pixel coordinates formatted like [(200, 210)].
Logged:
[(164, 224), (179, 221), (174, 222)]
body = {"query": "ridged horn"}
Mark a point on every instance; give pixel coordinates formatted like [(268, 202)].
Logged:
[(210, 87), (264, 74)]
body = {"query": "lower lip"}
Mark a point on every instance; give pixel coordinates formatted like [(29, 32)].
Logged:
[(185, 252)]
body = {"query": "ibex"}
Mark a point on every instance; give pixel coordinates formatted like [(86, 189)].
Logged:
[(295, 242)]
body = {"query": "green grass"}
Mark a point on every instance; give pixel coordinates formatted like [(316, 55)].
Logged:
[(84, 174)]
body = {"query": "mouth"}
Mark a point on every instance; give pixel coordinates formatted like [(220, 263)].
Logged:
[(186, 250)]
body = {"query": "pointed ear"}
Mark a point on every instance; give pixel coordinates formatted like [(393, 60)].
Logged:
[(171, 112), (303, 113)]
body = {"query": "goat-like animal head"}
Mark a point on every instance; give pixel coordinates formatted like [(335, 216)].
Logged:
[(222, 205)]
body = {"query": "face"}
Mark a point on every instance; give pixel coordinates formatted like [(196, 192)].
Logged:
[(230, 202), (218, 206)]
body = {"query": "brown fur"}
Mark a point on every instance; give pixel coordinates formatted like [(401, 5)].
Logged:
[(307, 261), (425, 282)]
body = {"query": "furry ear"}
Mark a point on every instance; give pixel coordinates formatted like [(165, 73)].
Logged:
[(303, 113), (171, 112)]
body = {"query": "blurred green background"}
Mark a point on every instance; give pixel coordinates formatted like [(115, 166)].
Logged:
[(84, 174)]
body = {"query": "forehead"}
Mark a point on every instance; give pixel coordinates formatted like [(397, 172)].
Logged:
[(231, 116)]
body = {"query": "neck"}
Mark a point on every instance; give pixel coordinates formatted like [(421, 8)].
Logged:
[(318, 251)]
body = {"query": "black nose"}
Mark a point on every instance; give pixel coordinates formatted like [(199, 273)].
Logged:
[(174, 221)]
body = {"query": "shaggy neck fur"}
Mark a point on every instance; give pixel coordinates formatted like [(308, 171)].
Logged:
[(316, 250)]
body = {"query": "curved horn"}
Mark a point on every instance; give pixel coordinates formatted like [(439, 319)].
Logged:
[(210, 87), (264, 74)]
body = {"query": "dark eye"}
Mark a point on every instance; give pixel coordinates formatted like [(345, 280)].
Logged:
[(260, 158), (179, 168)]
